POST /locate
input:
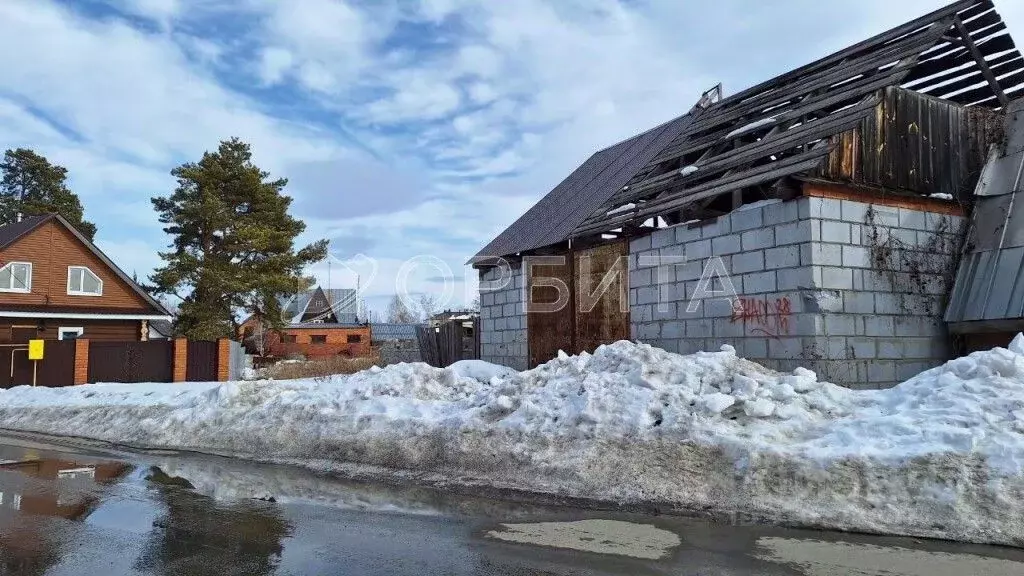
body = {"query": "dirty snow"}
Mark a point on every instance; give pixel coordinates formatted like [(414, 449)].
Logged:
[(939, 455)]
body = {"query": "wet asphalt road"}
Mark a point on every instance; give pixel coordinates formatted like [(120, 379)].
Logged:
[(77, 511)]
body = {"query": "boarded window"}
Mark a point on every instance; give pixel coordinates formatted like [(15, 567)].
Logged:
[(354, 338), (288, 339), (318, 339)]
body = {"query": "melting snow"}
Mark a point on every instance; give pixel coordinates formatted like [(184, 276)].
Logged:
[(939, 455)]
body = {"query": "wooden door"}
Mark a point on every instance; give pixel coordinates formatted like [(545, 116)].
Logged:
[(601, 277), (597, 311), (549, 325)]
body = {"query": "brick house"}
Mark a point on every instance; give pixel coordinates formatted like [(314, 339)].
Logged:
[(832, 200), (56, 284), (319, 323)]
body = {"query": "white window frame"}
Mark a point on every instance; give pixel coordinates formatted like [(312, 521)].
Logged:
[(25, 290), (77, 330), (79, 292)]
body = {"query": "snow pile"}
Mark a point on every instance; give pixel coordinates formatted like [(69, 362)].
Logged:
[(939, 455)]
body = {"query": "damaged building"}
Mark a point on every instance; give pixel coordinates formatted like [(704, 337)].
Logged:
[(816, 219)]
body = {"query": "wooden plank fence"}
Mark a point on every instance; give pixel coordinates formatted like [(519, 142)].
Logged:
[(450, 342)]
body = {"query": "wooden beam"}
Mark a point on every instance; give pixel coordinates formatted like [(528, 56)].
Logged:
[(965, 39)]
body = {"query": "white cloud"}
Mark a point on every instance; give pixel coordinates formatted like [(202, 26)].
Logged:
[(528, 88), (274, 63)]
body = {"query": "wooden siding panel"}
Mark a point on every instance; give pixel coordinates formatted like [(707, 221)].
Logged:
[(20, 330), (915, 143), (51, 248)]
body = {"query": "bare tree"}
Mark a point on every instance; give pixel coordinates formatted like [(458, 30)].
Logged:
[(475, 304), (256, 338), (428, 306), (398, 312)]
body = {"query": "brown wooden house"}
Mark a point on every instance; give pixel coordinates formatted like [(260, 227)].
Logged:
[(55, 284)]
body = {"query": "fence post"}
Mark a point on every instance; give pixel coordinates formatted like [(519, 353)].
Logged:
[(223, 359), (179, 373), (81, 361)]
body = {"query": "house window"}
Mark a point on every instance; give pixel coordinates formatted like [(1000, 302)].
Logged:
[(288, 339), (83, 282), (69, 333), (354, 338), (318, 339), (16, 277)]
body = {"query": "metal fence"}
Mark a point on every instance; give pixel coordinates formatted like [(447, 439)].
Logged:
[(150, 361)]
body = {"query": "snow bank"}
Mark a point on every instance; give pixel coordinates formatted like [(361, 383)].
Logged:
[(940, 455)]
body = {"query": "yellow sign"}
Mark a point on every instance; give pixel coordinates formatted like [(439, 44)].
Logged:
[(35, 349)]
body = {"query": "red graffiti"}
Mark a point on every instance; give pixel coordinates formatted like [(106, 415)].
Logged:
[(767, 317)]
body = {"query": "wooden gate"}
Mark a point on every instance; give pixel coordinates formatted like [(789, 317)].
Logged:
[(57, 368), (150, 361), (201, 365), (450, 342), (597, 311)]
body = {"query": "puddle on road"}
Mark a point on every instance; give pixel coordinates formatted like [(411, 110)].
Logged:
[(54, 487), (599, 536), (819, 558)]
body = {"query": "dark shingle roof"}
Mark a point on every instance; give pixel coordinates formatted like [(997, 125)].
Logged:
[(15, 230), (556, 215)]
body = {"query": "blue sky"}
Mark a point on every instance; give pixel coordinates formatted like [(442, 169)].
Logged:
[(406, 128)]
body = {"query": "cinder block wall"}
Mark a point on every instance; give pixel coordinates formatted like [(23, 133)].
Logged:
[(503, 319), (852, 290)]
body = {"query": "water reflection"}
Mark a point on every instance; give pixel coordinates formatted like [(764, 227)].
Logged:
[(197, 536), (33, 489)]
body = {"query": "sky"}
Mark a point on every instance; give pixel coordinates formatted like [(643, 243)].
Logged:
[(411, 132)]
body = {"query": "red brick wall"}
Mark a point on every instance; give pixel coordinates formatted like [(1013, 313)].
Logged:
[(81, 361), (223, 359), (337, 342), (180, 369)]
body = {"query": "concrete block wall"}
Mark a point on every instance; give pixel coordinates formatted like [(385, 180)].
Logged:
[(849, 289), (503, 318)]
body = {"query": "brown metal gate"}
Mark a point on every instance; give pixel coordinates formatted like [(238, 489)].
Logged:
[(201, 365), (57, 368), (597, 311), (150, 361)]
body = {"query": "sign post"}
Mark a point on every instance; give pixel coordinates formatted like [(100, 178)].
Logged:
[(35, 354)]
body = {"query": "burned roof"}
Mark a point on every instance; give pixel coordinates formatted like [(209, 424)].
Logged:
[(777, 129)]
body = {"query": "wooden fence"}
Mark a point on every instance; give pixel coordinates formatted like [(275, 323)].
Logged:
[(450, 342)]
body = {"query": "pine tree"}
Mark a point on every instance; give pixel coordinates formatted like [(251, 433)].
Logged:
[(233, 243), (31, 185)]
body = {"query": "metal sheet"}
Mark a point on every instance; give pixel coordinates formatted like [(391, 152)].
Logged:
[(975, 308), (1005, 273)]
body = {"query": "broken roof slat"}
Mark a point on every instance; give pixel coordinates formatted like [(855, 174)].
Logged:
[(809, 106)]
